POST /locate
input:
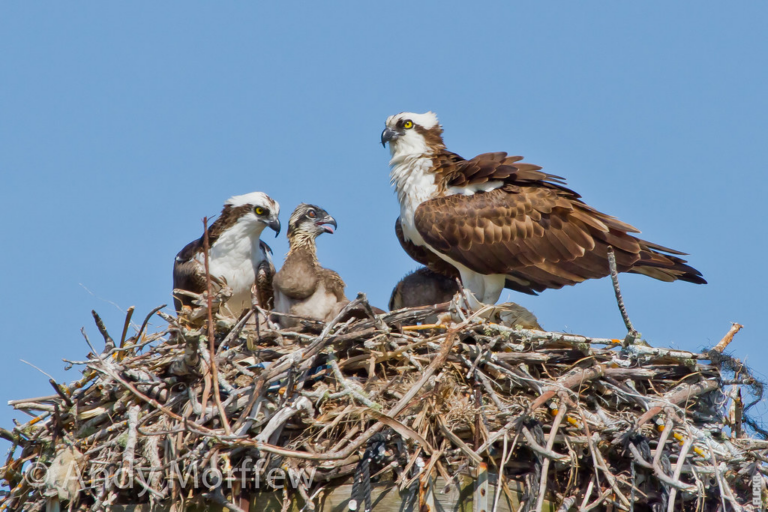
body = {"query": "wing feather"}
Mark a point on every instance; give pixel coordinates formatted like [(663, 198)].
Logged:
[(188, 273), (539, 237), (533, 229), (265, 273), (423, 255)]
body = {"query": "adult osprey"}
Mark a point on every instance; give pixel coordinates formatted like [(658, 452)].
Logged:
[(503, 223), (236, 255)]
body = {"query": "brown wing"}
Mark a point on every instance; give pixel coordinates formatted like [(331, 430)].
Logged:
[(486, 167), (264, 275), (188, 273), (533, 229), (424, 255), (333, 282)]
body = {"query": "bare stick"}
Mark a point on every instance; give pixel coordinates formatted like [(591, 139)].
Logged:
[(545, 465), (536, 447), (619, 299), (211, 333), (36, 368), (283, 415), (678, 469), (109, 343), (236, 330), (128, 315), (130, 444), (658, 471), (728, 338), (349, 386), (588, 492)]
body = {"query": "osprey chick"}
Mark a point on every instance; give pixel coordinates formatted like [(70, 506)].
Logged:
[(303, 287), (236, 255), (422, 287), (502, 223)]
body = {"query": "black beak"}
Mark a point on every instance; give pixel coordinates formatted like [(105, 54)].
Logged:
[(388, 135), (275, 224), (326, 222)]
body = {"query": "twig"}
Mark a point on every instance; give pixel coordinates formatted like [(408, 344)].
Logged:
[(657, 469), (728, 338), (536, 447), (545, 465), (350, 388), (282, 416), (128, 315), (678, 469), (109, 343), (211, 333), (130, 444), (36, 368), (632, 334)]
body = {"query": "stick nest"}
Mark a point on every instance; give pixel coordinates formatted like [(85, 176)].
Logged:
[(583, 422)]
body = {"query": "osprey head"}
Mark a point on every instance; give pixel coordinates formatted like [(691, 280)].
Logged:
[(412, 134), (256, 210), (308, 219)]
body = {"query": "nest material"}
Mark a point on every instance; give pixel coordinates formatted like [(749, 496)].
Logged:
[(579, 421)]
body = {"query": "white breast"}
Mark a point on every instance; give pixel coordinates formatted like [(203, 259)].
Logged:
[(414, 184), (235, 256)]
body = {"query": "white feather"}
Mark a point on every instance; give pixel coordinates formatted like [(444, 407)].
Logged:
[(414, 184), (235, 256), (427, 119), (252, 198), (473, 189)]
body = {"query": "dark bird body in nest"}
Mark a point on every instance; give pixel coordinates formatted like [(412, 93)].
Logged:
[(500, 223), (422, 287)]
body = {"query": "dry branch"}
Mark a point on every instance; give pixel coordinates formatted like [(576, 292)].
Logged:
[(562, 419)]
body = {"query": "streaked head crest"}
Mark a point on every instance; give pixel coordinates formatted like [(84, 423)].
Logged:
[(427, 120), (253, 199)]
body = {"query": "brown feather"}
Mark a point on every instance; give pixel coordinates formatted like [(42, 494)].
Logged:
[(533, 229), (264, 276), (424, 256)]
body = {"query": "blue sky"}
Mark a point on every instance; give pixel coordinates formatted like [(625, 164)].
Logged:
[(123, 124)]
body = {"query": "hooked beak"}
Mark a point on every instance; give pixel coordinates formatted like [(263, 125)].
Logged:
[(275, 225), (388, 135), (328, 224)]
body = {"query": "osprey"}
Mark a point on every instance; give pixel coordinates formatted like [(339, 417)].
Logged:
[(503, 223), (236, 256), (303, 287), (422, 287)]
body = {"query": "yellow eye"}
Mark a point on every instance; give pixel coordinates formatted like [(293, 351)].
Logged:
[(259, 210), (408, 125)]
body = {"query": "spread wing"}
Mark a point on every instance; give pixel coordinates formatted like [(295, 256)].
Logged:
[(188, 273), (264, 276), (533, 229)]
